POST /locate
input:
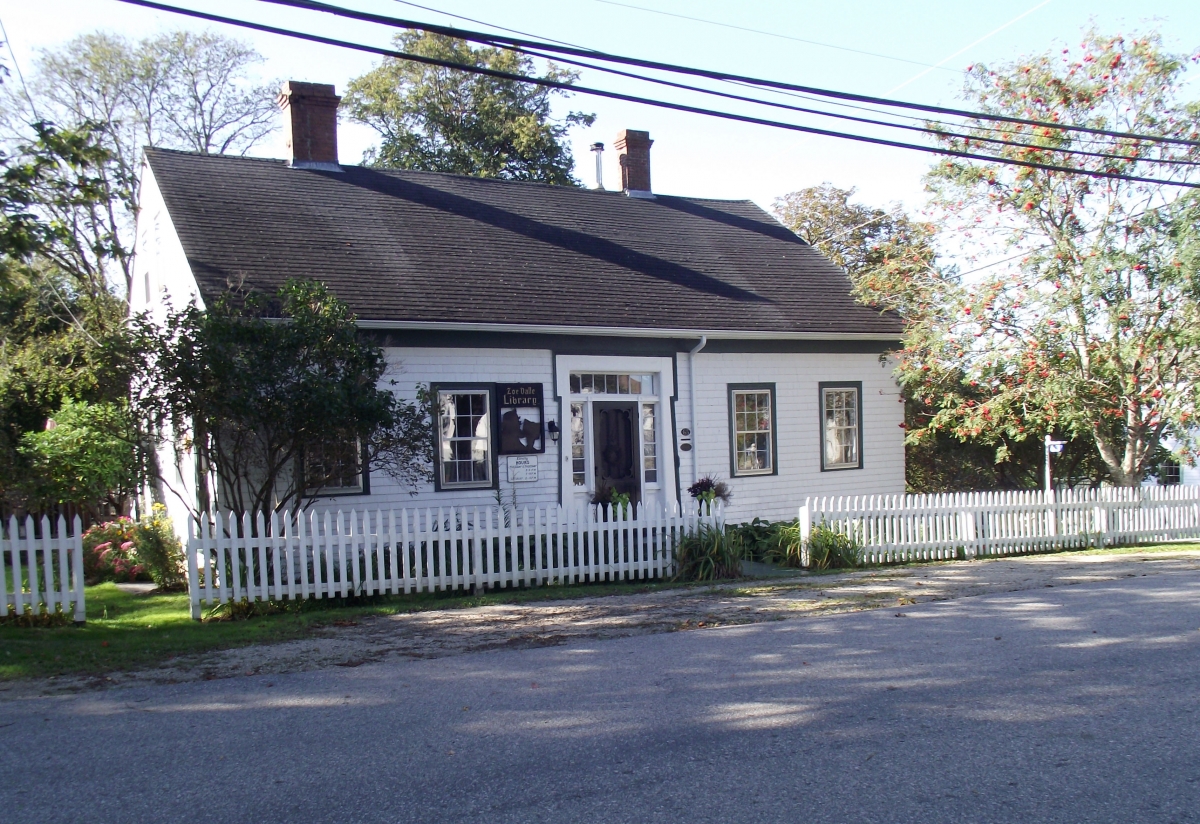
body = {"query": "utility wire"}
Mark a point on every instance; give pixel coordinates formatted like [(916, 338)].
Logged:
[(769, 34), (17, 68), (485, 23), (570, 88), (810, 98), (497, 40), (970, 46), (824, 113)]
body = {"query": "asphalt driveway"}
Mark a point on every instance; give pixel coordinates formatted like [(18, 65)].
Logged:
[(1058, 704)]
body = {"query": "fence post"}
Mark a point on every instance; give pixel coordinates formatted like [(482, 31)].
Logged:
[(805, 521), (192, 577), (77, 571)]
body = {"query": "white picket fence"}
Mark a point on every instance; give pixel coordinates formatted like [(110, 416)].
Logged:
[(41, 567), (399, 551), (976, 524)]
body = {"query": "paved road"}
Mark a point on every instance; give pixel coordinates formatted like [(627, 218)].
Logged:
[(1061, 704)]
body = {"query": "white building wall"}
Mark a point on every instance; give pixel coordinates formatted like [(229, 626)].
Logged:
[(408, 367), (163, 279), (796, 378)]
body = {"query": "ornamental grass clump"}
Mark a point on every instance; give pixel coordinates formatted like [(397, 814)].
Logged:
[(707, 554), (827, 549)]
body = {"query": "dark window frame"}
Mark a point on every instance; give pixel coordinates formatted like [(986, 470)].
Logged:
[(732, 388), (333, 492), (821, 387), (435, 390)]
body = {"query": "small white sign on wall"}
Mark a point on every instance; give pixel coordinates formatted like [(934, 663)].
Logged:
[(522, 468)]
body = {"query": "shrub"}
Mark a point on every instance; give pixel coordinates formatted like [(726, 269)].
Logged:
[(827, 549), (109, 553), (708, 554), (158, 548), (756, 540), (128, 550)]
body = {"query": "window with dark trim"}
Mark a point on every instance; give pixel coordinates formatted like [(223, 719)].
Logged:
[(841, 426), (335, 468), (465, 453), (752, 442)]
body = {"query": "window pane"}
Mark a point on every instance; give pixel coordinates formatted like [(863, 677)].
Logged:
[(578, 468), (465, 431), (841, 427), (753, 431)]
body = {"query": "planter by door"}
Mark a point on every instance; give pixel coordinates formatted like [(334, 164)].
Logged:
[(616, 449)]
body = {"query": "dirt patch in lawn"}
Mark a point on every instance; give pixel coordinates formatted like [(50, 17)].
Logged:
[(439, 633)]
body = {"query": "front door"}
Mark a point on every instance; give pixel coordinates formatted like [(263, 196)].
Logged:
[(616, 445)]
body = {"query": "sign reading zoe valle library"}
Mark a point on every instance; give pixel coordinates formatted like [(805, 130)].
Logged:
[(519, 407)]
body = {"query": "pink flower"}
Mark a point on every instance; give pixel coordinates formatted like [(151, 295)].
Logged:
[(103, 546), (128, 545)]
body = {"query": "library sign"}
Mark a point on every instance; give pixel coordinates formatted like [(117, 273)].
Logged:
[(522, 418)]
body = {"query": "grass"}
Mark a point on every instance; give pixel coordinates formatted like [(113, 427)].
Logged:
[(125, 631)]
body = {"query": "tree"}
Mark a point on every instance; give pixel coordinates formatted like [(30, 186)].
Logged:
[(892, 262), (1095, 332), (280, 397), (437, 119), (84, 456), (60, 346), (178, 90)]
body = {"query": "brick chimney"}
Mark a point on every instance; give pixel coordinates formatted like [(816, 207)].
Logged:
[(633, 151), (310, 125)]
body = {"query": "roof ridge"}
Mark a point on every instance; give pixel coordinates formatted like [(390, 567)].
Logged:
[(422, 172)]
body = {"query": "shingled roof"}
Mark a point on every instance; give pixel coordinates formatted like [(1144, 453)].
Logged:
[(438, 248)]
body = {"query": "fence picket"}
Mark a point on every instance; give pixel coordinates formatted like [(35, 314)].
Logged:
[(259, 557)]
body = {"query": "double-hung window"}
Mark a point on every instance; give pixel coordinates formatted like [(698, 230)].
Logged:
[(841, 426), (334, 468), (752, 429), (464, 433)]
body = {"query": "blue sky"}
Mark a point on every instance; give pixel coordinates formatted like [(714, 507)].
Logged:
[(692, 155)]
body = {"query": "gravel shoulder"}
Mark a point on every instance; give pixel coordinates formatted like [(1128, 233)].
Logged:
[(449, 632)]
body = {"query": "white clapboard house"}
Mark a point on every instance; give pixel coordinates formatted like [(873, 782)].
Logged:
[(574, 339)]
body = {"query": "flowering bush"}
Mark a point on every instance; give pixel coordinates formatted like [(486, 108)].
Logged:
[(128, 550), (109, 552)]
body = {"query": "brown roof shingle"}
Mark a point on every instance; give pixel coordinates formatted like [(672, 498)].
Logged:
[(429, 247)]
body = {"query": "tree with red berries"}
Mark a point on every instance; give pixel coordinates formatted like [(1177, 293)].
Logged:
[(1090, 325)]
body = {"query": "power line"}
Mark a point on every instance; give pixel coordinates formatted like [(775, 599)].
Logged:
[(969, 46), (497, 40), (568, 87), (769, 34), (811, 98), (17, 67), (485, 23), (824, 113)]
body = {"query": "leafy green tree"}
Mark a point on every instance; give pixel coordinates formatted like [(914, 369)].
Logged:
[(892, 262), (1094, 331), (178, 90), (445, 120), (260, 386), (58, 346), (84, 456)]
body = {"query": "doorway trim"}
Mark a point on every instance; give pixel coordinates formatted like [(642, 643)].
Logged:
[(663, 370)]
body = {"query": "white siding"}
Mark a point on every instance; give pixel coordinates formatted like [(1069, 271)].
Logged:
[(796, 378), (162, 278), (408, 367)]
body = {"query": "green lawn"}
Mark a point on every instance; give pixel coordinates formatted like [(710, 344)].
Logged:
[(126, 631)]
